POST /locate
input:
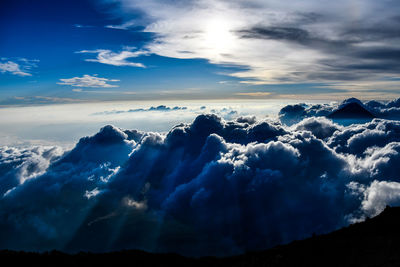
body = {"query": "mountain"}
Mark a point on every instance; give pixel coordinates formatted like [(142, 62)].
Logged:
[(374, 242), (351, 109)]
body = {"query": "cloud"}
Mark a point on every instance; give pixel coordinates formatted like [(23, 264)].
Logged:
[(116, 59), (377, 196), (271, 43), (226, 113), (125, 26), (80, 90), (388, 110), (254, 94), (13, 68), (92, 193), (21, 164), (291, 114), (162, 108), (37, 100), (277, 33), (88, 81), (19, 68), (83, 26), (210, 187)]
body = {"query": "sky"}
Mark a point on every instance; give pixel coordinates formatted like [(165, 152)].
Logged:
[(111, 50)]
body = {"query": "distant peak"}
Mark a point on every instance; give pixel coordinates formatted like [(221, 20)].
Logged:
[(350, 101), (352, 108)]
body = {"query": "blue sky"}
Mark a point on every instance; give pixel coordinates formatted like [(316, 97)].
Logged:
[(74, 51)]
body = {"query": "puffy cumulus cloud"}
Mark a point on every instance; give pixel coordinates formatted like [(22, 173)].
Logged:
[(210, 187), (21, 164), (389, 110), (380, 194), (376, 196), (50, 207), (357, 138), (88, 81), (292, 114), (322, 128), (227, 113)]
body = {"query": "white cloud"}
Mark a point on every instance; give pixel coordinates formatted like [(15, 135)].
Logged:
[(89, 194), (135, 204), (116, 58), (88, 81), (378, 195), (124, 26), (22, 164), (13, 68)]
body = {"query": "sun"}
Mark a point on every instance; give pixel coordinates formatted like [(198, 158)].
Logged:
[(218, 37)]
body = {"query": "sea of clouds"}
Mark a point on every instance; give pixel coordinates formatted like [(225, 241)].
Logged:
[(291, 114), (210, 187)]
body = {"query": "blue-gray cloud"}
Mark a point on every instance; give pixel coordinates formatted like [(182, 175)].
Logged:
[(291, 114), (209, 187), (158, 108)]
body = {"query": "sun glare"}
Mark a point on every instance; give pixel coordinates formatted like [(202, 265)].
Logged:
[(218, 37)]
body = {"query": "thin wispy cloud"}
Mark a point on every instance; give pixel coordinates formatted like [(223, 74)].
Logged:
[(88, 81), (83, 26), (124, 26), (109, 57), (37, 100), (254, 94), (19, 67), (102, 91), (161, 108), (306, 41)]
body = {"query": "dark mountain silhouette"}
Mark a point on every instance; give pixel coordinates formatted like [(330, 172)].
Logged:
[(374, 242), (351, 109)]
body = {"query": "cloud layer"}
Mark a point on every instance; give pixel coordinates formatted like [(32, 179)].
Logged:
[(88, 81), (346, 45), (161, 108), (211, 187), (291, 114)]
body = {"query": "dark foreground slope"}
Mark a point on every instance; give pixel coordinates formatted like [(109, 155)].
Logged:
[(375, 242)]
